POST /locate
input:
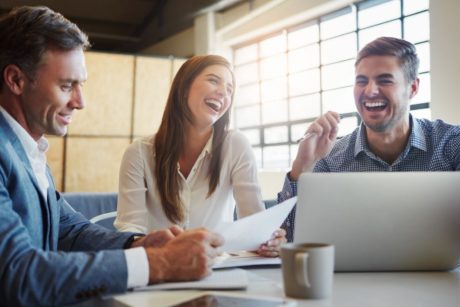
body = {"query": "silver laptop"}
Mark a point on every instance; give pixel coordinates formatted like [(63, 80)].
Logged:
[(382, 221)]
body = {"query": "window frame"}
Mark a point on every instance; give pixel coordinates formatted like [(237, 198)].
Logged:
[(354, 8)]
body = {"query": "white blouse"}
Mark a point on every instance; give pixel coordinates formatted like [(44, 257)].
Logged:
[(139, 203)]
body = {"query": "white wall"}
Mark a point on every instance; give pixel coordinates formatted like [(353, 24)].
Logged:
[(271, 183), (445, 63)]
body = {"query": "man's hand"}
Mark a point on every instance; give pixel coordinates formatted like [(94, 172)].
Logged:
[(321, 135), (187, 256), (158, 238)]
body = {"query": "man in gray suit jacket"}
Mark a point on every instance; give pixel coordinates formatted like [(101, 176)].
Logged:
[(49, 254)]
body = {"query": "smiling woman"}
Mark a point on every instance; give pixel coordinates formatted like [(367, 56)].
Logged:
[(194, 171), (209, 97)]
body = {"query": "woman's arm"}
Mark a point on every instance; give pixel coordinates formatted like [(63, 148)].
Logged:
[(132, 213), (246, 189)]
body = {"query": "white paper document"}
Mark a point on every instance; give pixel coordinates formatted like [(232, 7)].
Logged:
[(251, 231), (225, 279)]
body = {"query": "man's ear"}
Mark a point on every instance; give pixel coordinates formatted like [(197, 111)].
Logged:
[(14, 79), (414, 87)]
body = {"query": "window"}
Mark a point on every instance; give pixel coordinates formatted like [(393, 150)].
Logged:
[(288, 79)]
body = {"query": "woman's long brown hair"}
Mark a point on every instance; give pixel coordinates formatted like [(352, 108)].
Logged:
[(169, 140)]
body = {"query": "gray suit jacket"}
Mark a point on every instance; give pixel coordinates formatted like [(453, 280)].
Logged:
[(49, 254)]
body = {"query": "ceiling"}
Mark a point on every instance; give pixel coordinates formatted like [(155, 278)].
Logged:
[(127, 25)]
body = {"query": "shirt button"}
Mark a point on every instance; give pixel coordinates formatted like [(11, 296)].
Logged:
[(288, 194)]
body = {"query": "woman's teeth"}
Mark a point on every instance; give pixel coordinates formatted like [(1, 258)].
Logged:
[(213, 104)]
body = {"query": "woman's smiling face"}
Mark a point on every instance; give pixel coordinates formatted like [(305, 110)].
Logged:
[(210, 95)]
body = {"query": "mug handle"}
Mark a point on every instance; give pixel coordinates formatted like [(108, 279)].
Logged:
[(301, 263)]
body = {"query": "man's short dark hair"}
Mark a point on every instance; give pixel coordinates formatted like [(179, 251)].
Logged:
[(26, 33), (401, 49)]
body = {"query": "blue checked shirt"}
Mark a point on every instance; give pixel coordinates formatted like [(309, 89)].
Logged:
[(432, 146)]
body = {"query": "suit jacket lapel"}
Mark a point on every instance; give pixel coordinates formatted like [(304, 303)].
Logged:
[(19, 150), (54, 213), (17, 145)]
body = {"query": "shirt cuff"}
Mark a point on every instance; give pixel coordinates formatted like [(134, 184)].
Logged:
[(289, 189), (138, 267)]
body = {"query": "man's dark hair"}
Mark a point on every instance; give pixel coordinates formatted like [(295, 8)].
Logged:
[(401, 49), (26, 33)]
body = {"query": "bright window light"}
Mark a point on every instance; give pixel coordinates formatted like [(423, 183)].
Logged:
[(287, 79)]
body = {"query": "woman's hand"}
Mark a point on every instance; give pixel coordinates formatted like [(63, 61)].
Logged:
[(272, 247)]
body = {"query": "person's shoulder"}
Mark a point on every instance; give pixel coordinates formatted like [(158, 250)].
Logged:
[(140, 145), (438, 127), (6, 150), (4, 142), (236, 145), (146, 141), (237, 138)]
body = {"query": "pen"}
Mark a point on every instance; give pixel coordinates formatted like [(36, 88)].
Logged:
[(305, 136)]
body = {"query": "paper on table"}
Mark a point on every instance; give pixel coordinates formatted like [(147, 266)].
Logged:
[(251, 231), (228, 279), (243, 259)]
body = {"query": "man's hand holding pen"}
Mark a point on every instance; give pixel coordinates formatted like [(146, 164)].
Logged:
[(316, 143)]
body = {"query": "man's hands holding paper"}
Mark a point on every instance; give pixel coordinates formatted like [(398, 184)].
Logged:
[(272, 247), (178, 255)]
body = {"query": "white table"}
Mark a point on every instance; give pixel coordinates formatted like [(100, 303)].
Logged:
[(439, 289)]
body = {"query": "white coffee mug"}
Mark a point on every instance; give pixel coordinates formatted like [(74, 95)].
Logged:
[(308, 270)]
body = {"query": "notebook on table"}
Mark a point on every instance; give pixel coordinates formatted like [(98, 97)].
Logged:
[(399, 221)]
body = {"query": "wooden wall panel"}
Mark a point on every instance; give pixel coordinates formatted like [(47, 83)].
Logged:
[(152, 83), (125, 98), (92, 164), (109, 95)]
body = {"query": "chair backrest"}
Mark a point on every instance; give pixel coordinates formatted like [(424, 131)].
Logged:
[(270, 203), (105, 219), (100, 208)]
